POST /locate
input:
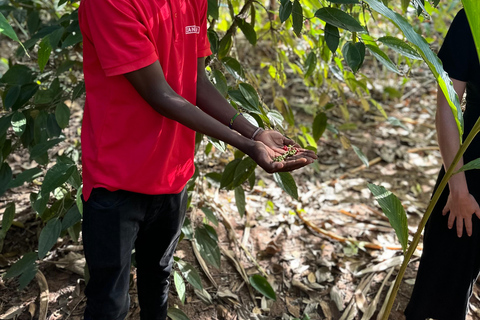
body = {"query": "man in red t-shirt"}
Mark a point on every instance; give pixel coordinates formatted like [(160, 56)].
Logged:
[(145, 73)]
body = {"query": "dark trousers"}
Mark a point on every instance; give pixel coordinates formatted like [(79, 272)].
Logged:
[(448, 268), (115, 223)]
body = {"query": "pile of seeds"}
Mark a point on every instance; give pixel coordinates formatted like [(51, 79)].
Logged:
[(290, 151)]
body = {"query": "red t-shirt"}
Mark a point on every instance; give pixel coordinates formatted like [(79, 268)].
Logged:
[(125, 143)]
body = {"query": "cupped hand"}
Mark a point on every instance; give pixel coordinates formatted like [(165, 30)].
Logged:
[(461, 208), (264, 156), (276, 141)]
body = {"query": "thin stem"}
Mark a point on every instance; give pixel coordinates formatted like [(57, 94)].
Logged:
[(431, 206)]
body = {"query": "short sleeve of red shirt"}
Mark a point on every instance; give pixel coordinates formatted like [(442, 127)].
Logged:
[(121, 40), (203, 44)]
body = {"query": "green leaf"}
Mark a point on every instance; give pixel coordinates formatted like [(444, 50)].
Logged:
[(287, 183), (41, 148), (56, 176), (361, 155), (339, 19), (405, 4), (72, 39), (213, 8), (6, 29), (353, 56), (244, 169), (40, 203), (393, 209), (176, 314), (344, 1), (250, 95), (220, 82), (25, 176), (233, 67), (5, 177), (401, 47), (19, 123), (18, 75), (285, 10), (383, 58), (396, 123), (48, 237), (225, 46), (27, 276), (210, 215), (78, 200), (5, 123), (191, 274), (180, 286), (207, 247), (472, 165), (229, 173), (248, 31), (472, 9), (21, 265), (12, 96), (297, 17), (319, 125), (8, 216), (332, 37), (71, 218), (428, 56), (44, 52), (214, 41), (261, 285), (240, 200), (62, 115), (239, 98), (310, 64), (27, 91)]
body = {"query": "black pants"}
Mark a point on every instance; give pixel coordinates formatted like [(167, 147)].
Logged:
[(115, 223), (448, 268)]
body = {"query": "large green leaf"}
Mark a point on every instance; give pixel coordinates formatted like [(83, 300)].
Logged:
[(229, 173), (233, 67), (19, 123), (285, 11), (354, 54), (248, 30), (400, 47), (48, 237), (319, 125), (12, 96), (383, 58), (44, 52), (207, 247), (287, 183), (393, 209), (220, 82), (21, 265), (297, 17), (56, 176), (180, 286), (240, 200), (261, 285), (18, 75), (428, 56), (7, 30), (7, 220), (210, 215), (72, 217), (310, 64), (472, 9), (250, 94), (41, 148), (176, 314), (5, 177), (213, 8), (472, 165), (339, 19), (191, 274), (25, 176), (27, 276), (332, 37), (244, 169), (62, 115), (225, 46)]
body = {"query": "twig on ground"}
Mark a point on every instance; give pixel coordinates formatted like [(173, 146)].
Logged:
[(43, 285)]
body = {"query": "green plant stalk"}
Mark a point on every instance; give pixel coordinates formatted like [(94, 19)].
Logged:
[(421, 226)]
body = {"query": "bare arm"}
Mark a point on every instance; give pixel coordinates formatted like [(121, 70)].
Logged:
[(461, 204), (151, 84)]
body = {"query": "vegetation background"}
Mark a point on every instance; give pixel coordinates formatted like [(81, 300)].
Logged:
[(350, 79)]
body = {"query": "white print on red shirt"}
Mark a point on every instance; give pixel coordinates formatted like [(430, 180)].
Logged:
[(192, 29)]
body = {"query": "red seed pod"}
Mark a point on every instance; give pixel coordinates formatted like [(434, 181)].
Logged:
[(285, 148)]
